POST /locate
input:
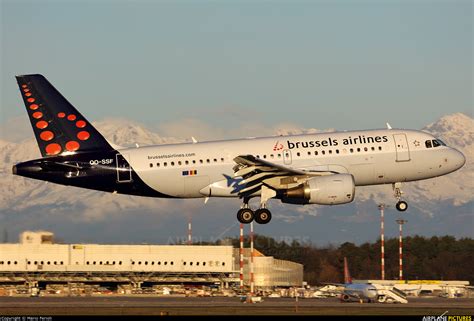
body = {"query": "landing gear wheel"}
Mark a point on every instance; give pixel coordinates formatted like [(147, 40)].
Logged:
[(263, 216), (245, 215), (402, 206)]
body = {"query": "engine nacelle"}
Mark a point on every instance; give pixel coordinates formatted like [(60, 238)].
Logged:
[(323, 190)]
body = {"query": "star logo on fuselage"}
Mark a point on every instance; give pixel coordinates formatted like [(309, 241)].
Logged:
[(416, 143)]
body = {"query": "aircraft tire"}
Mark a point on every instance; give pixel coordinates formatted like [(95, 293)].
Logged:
[(245, 215), (402, 206), (263, 216)]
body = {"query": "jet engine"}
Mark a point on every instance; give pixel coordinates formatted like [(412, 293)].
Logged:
[(323, 190)]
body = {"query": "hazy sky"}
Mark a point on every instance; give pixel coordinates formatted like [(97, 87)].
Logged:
[(321, 64)]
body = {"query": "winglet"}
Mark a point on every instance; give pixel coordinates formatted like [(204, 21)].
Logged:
[(388, 126), (194, 140)]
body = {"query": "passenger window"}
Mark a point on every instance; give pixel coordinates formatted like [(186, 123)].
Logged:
[(337, 151), (309, 153), (372, 148), (272, 156), (279, 155), (358, 149), (194, 161), (298, 154), (172, 163), (151, 164), (428, 144), (323, 152), (215, 160), (330, 151), (157, 164), (179, 163), (366, 149), (352, 150), (165, 164), (201, 161), (380, 147), (208, 160), (222, 159), (186, 162), (316, 153), (264, 156)]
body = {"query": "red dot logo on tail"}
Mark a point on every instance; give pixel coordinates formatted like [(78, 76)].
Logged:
[(83, 135), (31, 100), (41, 124), (47, 135), (71, 117), (37, 115), (72, 146), (53, 149), (61, 115), (34, 106)]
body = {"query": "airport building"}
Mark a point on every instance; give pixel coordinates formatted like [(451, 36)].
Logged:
[(38, 261)]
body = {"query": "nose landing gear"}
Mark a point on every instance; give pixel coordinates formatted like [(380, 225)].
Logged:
[(402, 206)]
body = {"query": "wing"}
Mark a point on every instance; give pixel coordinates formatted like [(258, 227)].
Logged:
[(256, 172)]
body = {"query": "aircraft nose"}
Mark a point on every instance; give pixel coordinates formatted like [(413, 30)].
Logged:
[(458, 158)]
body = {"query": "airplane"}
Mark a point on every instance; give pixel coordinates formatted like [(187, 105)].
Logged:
[(360, 291), (365, 292), (322, 168)]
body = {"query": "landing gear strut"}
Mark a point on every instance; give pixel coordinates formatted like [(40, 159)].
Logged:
[(402, 206)]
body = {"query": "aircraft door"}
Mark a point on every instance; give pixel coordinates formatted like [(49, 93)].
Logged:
[(401, 147), (287, 157), (124, 172)]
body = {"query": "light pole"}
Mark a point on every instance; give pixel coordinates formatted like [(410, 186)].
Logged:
[(382, 241), (252, 284), (241, 254), (400, 252)]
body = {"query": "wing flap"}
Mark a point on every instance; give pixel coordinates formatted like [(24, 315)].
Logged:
[(257, 172)]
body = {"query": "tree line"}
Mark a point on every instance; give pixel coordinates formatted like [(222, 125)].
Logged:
[(434, 258)]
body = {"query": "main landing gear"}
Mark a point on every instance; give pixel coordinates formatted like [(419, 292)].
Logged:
[(263, 215), (245, 215), (402, 206)]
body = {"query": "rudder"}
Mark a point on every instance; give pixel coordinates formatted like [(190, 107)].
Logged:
[(58, 126)]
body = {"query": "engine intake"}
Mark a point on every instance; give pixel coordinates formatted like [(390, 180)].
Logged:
[(323, 190)]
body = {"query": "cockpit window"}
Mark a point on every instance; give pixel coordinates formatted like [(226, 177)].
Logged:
[(441, 142), (428, 144), (436, 143)]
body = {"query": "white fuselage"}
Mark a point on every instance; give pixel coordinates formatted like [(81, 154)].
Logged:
[(373, 157)]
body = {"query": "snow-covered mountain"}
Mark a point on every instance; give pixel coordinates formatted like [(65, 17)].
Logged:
[(30, 203)]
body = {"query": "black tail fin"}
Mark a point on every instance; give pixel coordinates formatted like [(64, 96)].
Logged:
[(58, 126)]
